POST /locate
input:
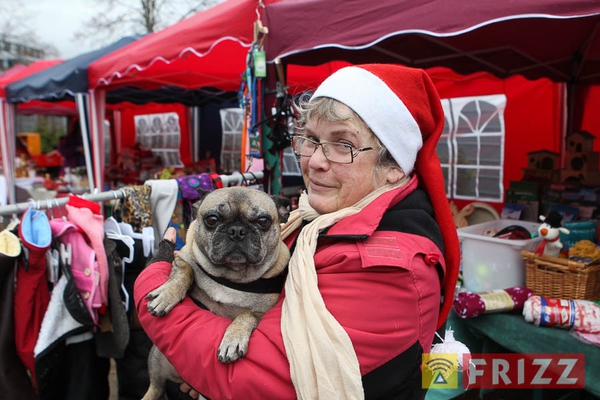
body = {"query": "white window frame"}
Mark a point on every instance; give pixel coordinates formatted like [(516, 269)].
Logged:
[(232, 124), (466, 112), (160, 133)]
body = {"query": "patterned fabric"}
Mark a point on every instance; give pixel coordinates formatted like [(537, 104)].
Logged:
[(471, 305), (191, 184), (190, 189), (135, 208)]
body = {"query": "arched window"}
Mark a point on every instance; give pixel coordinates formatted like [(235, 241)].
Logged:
[(471, 149)]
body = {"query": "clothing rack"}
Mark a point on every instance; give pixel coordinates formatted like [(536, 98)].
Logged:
[(236, 177)]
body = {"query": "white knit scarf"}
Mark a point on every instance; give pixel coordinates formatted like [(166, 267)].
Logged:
[(323, 363)]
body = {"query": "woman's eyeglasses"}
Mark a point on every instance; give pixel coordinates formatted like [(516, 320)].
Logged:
[(340, 153)]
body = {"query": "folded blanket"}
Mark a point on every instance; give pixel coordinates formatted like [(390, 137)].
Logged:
[(579, 315), (471, 304)]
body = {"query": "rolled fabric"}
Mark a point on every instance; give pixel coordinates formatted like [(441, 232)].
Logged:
[(472, 304), (579, 315)]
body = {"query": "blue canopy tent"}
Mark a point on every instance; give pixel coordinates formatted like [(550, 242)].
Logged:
[(68, 81)]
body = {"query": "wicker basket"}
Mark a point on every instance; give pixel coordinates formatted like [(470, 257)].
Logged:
[(561, 278)]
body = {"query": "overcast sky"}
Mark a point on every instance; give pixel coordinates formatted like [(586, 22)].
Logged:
[(56, 21)]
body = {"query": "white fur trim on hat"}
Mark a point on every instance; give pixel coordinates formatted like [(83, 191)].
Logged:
[(381, 109)]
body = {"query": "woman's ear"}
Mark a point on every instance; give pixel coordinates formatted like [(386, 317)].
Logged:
[(394, 175)]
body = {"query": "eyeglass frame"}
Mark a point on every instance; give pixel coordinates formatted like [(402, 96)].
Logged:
[(353, 152)]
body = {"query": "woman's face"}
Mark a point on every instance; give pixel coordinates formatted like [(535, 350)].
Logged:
[(332, 186)]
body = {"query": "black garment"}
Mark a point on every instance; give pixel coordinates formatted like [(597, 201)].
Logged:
[(15, 384), (132, 368), (73, 372), (399, 378), (112, 343)]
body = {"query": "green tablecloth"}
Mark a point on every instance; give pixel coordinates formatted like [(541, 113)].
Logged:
[(510, 331)]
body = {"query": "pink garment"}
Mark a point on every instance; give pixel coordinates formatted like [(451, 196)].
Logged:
[(93, 226), (471, 305), (84, 267)]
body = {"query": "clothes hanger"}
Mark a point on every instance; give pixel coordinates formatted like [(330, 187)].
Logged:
[(146, 236), (65, 254), (52, 266), (113, 231)]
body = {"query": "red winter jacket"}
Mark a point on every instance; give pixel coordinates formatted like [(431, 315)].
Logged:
[(383, 286)]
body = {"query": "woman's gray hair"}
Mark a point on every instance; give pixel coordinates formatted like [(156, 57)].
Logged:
[(330, 110)]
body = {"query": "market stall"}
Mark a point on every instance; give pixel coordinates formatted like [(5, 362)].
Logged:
[(68, 81), (7, 141)]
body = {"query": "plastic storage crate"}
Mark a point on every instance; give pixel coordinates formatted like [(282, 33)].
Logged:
[(490, 263)]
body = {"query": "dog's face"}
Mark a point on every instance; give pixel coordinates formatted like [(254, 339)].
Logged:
[(237, 232)]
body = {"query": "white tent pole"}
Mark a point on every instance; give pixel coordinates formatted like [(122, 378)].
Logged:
[(80, 101), (96, 113), (7, 157), (11, 115)]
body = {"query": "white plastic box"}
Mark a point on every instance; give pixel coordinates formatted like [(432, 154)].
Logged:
[(490, 263)]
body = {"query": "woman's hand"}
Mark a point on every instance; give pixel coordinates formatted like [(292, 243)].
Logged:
[(166, 247), (185, 388)]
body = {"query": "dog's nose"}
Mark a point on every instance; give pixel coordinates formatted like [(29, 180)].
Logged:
[(236, 232)]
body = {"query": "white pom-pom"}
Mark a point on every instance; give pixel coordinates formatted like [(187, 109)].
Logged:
[(451, 346)]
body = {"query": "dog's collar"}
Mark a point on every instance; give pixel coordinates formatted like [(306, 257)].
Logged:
[(262, 285)]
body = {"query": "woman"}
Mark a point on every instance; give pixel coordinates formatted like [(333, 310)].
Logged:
[(358, 311)]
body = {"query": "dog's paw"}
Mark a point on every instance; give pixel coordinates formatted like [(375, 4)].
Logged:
[(163, 300), (233, 346)]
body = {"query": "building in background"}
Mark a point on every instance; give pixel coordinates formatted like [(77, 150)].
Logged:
[(13, 51)]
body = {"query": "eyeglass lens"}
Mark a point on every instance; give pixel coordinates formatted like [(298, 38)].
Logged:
[(336, 152)]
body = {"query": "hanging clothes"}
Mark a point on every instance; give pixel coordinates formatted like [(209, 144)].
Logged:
[(81, 272), (112, 339), (92, 225), (135, 207), (14, 381), (68, 365), (32, 294), (163, 198), (132, 370)]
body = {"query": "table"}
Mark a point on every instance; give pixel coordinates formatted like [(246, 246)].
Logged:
[(510, 332)]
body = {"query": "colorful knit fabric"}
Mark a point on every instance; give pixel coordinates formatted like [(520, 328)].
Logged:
[(471, 305)]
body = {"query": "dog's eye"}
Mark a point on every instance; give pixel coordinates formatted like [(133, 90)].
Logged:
[(263, 222), (211, 220)]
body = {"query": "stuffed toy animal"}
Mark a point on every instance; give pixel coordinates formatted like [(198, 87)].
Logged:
[(550, 230)]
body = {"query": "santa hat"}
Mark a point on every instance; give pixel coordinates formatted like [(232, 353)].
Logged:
[(402, 108)]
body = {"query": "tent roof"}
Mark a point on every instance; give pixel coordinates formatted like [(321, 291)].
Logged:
[(534, 38), (61, 81), (207, 49), (20, 71)]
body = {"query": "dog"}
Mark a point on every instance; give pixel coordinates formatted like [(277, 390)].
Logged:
[(233, 245)]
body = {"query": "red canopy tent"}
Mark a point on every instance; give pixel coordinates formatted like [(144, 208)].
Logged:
[(535, 39), (558, 41), (206, 52), (207, 49)]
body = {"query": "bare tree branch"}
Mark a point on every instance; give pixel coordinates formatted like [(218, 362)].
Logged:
[(15, 25), (119, 18)]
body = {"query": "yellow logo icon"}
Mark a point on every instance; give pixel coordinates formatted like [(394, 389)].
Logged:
[(440, 371)]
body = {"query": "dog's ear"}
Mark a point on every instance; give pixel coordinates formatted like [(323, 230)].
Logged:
[(196, 204), (283, 208)]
